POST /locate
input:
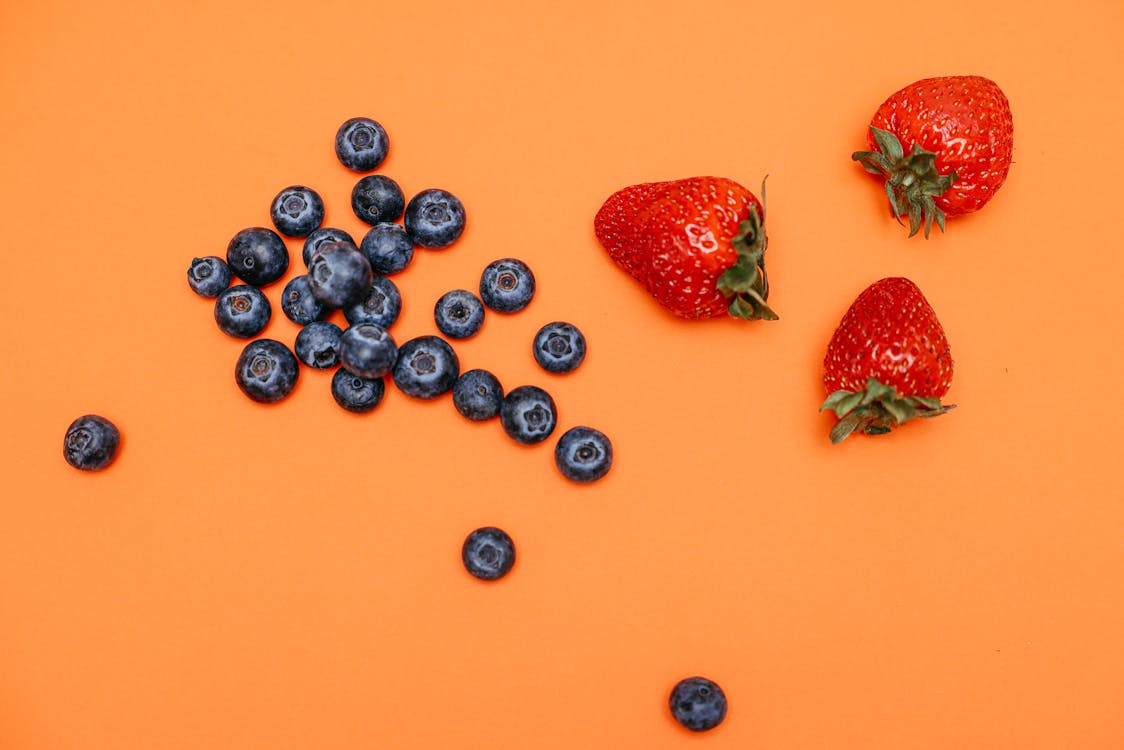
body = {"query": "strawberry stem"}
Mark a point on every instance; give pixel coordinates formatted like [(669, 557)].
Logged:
[(745, 283), (877, 409)]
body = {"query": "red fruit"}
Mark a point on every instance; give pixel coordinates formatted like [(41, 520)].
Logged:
[(887, 362), (697, 245), (944, 147)]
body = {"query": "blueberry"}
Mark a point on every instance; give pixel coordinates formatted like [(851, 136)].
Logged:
[(318, 345), (382, 304), (367, 350), (356, 394), (477, 394), (297, 211), (507, 285), (434, 218), (299, 304), (427, 367), (376, 199), (319, 238), (583, 454), (258, 256), (242, 311), (266, 371), (698, 704), (339, 275), (528, 414), (559, 347), (459, 314), (488, 553), (91, 443), (361, 144), (388, 248), (208, 276)]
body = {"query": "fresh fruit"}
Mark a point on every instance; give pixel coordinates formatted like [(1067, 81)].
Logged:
[(368, 350), (242, 311), (339, 275), (377, 198), (507, 285), (297, 211), (427, 367), (459, 314), (91, 443), (698, 704), (320, 237), (388, 248), (258, 256), (266, 371), (477, 395), (208, 276), (528, 414), (583, 454), (559, 347), (356, 394), (697, 245), (434, 218), (361, 144), (488, 553), (887, 362), (318, 345), (299, 303), (382, 305), (943, 146)]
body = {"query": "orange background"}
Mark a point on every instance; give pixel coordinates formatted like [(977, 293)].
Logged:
[(289, 576)]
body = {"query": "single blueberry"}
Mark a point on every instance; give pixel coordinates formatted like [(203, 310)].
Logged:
[(266, 371), (208, 276), (356, 394), (698, 704), (488, 553), (559, 347), (319, 238), (382, 304), (528, 414), (258, 256), (361, 144), (297, 211), (427, 367), (583, 454), (318, 345), (339, 275), (91, 443), (507, 285), (368, 350), (388, 248), (459, 314), (299, 303), (242, 311), (434, 218), (477, 395), (376, 199)]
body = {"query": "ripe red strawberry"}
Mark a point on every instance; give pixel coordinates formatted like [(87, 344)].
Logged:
[(887, 362), (944, 147), (697, 245)]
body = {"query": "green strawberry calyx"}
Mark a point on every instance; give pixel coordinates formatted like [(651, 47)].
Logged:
[(912, 180), (877, 409), (745, 283)]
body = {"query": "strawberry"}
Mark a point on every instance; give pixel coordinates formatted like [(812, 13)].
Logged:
[(944, 147), (887, 362), (697, 245)]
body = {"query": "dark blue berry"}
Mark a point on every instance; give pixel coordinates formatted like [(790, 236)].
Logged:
[(356, 394), (488, 553), (698, 704), (266, 371), (459, 314), (91, 443), (258, 256), (368, 350), (427, 367), (208, 276), (318, 345), (319, 238), (507, 285), (361, 144), (388, 248), (559, 347), (434, 218), (297, 211), (299, 304), (339, 275), (377, 198), (477, 394), (382, 304), (583, 454), (528, 414), (242, 311)]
